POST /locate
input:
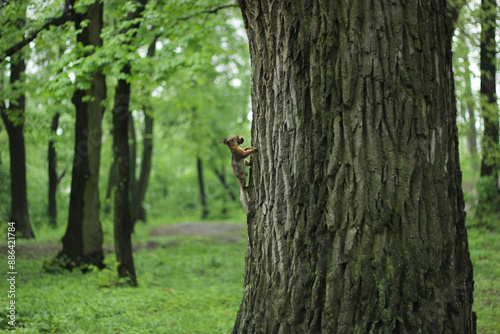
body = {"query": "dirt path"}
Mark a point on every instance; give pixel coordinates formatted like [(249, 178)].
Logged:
[(220, 233)]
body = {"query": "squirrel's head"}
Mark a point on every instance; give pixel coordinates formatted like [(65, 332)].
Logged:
[(233, 141)]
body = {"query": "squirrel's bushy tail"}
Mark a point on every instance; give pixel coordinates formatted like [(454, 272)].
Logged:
[(244, 199)]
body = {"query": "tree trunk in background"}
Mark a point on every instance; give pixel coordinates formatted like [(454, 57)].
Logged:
[(488, 199), (222, 178), (467, 108), (133, 154), (53, 178), (201, 183), (121, 208), (122, 216), (472, 133), (82, 242), (356, 221), (138, 211), (109, 188), (15, 126)]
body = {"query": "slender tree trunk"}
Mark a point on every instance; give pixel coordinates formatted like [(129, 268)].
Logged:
[(201, 183), (222, 178), (137, 209), (13, 119), (356, 221), (472, 133), (53, 178), (109, 188), (82, 242), (122, 214), (471, 116), (489, 109), (147, 155), (468, 101), (133, 154), (122, 210), (139, 193)]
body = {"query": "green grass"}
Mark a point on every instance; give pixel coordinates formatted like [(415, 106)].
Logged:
[(192, 285), (484, 247)]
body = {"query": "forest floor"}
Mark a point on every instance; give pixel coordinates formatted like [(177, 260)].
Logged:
[(221, 233), (190, 281)]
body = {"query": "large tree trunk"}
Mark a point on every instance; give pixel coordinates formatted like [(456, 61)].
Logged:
[(15, 126), (82, 242), (53, 178), (356, 221)]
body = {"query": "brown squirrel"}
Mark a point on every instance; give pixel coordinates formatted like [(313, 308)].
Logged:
[(238, 164)]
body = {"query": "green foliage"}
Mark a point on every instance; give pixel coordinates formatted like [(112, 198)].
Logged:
[(107, 278), (196, 85), (488, 205)]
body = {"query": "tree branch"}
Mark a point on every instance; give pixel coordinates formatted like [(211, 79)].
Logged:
[(68, 15), (208, 11)]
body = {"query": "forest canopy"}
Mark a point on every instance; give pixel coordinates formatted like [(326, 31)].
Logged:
[(189, 68)]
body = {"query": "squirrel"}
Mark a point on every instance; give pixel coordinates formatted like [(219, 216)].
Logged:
[(238, 164)]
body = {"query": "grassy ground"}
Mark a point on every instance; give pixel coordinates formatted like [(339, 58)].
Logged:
[(484, 247), (191, 285)]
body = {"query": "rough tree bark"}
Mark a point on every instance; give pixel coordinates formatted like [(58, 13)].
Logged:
[(82, 242), (356, 222), (15, 127)]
